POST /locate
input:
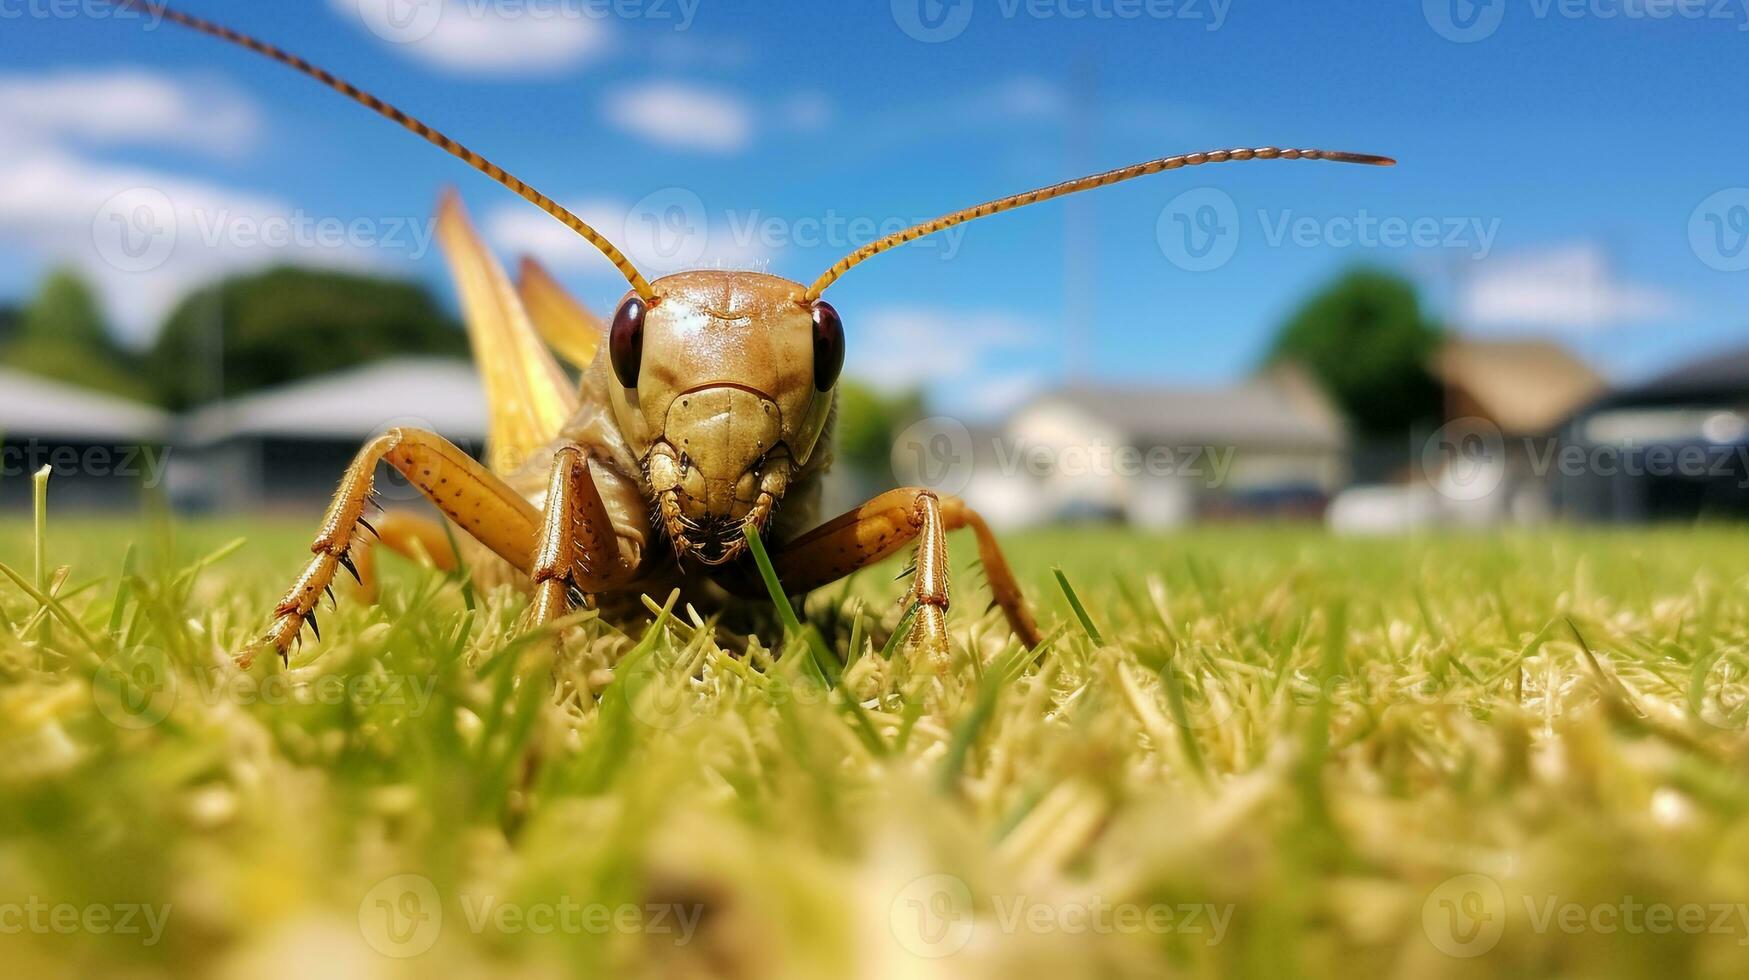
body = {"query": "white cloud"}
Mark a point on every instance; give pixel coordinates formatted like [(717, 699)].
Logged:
[(667, 231), (1017, 103), (144, 238), (999, 395), (1571, 287), (1020, 97), (687, 116), (523, 230), (126, 106), (473, 38), (683, 115), (936, 346), (805, 111)]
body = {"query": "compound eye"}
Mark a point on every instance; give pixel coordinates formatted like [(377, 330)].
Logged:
[(625, 343), (828, 345)]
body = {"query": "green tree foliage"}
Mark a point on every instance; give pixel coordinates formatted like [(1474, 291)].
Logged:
[(65, 310), (1366, 338), (290, 323), (866, 423), (61, 335)]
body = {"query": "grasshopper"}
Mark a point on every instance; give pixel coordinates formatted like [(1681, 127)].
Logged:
[(705, 418)]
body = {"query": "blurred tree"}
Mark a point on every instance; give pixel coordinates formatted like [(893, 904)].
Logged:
[(61, 335), (290, 323), (65, 309), (1366, 339), (866, 423)]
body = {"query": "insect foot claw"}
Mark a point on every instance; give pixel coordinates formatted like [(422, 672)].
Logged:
[(287, 628), (928, 639), (298, 606)]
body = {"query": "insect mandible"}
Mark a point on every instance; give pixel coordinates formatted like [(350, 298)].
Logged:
[(703, 418)]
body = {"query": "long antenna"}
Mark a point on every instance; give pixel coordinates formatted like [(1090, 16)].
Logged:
[(640, 285), (1071, 186)]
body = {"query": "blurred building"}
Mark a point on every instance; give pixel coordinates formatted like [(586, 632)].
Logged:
[(102, 451), (1673, 448), (1525, 388), (1505, 401), (1270, 446), (1494, 459), (286, 447)]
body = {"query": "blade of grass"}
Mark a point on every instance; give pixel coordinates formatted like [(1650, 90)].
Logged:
[(60, 611), (1002, 671), (1080, 610), (461, 573), (123, 589), (900, 632), (823, 659), (853, 652), (1181, 715), (1609, 681), (39, 496)]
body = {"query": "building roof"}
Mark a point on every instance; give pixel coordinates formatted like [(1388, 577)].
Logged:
[(436, 393), (32, 406), (1276, 409), (1720, 378), (1523, 386)]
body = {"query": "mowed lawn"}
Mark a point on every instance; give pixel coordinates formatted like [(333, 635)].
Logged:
[(1253, 752)]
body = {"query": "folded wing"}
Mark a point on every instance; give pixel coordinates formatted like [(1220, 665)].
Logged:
[(565, 324), (528, 397)]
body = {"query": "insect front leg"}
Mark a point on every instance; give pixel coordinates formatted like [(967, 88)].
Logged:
[(880, 528), (579, 550), (478, 502)]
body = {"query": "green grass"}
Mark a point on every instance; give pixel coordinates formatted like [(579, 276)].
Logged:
[(1249, 752)]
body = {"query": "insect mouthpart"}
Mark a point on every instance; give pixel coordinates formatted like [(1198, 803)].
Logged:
[(714, 537), (719, 466)]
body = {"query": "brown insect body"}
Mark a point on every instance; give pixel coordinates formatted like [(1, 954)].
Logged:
[(701, 415), (724, 428)]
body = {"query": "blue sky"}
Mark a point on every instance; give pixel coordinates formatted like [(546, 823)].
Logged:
[(1571, 169)]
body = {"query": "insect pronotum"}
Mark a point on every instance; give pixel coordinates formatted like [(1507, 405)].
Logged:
[(708, 408)]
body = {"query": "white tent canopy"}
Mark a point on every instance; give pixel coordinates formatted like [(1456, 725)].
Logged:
[(439, 394), (37, 408)]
